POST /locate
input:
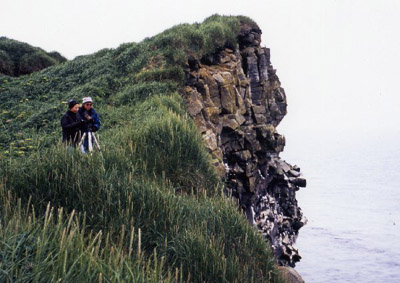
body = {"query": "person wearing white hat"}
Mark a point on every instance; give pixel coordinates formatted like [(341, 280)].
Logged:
[(91, 118)]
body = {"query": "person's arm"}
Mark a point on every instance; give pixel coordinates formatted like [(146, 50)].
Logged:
[(66, 123), (96, 122)]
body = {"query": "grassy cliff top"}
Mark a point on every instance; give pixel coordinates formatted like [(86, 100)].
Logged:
[(149, 206)]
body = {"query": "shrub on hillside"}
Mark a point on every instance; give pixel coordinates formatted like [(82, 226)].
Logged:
[(6, 64)]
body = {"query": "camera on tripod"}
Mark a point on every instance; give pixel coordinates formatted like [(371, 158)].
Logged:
[(88, 137)]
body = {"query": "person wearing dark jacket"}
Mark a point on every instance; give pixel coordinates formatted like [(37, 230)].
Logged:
[(91, 118), (71, 124)]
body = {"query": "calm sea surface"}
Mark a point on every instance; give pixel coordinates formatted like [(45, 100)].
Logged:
[(352, 202)]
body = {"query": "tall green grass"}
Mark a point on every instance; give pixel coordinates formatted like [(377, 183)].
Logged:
[(153, 174), (58, 247)]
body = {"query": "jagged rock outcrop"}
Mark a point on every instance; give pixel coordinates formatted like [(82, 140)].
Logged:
[(236, 101)]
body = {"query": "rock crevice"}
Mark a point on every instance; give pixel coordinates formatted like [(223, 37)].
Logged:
[(237, 102)]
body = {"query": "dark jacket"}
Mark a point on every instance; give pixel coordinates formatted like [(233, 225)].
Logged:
[(94, 123), (71, 124)]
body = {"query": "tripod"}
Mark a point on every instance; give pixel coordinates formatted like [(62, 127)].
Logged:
[(91, 137)]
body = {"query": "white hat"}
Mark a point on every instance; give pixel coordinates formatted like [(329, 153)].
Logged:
[(87, 99)]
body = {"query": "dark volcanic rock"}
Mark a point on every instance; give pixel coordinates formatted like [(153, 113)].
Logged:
[(236, 101)]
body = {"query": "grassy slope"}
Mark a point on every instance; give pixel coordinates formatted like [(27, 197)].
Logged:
[(153, 174), (18, 58)]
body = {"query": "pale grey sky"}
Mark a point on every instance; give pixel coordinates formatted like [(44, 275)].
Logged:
[(337, 60)]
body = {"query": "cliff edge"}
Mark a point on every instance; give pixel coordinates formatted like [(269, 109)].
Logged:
[(236, 101)]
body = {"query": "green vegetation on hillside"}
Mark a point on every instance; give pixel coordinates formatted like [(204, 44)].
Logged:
[(18, 58), (149, 206)]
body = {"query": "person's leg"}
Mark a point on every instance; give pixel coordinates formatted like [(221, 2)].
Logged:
[(90, 142), (84, 145)]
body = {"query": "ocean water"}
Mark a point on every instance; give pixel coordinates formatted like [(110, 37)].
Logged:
[(352, 202)]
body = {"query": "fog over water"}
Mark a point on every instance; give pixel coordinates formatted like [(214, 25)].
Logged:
[(352, 203), (338, 62)]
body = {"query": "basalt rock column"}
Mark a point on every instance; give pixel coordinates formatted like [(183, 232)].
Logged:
[(236, 101)]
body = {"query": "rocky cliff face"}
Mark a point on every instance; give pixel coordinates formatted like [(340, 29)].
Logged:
[(236, 101)]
